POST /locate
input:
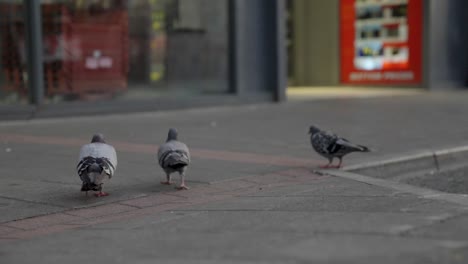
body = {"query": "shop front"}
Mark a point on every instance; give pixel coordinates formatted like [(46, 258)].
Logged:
[(122, 51), (381, 42), (119, 48), (389, 43)]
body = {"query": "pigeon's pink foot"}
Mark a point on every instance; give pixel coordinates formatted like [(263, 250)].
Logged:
[(182, 187), (325, 166), (101, 194), (166, 182)]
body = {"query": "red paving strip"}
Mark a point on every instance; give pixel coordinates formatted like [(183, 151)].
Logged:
[(152, 149), (127, 215), (6, 229), (231, 186), (297, 173), (41, 231), (143, 206), (40, 221), (152, 201), (251, 158), (41, 140), (107, 209)]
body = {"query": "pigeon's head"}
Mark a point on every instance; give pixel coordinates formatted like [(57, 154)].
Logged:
[(98, 138), (313, 130), (172, 135)]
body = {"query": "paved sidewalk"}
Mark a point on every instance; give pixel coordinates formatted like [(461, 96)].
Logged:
[(254, 196)]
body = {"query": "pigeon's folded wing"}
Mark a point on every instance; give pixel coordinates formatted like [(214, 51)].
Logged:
[(344, 146), (98, 151), (172, 146)]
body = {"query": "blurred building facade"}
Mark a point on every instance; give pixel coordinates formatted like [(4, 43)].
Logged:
[(90, 56), (73, 55), (415, 43)]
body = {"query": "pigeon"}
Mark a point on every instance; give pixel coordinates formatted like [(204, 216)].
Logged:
[(97, 161), (174, 156), (330, 146)]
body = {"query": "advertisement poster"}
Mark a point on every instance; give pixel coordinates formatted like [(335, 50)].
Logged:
[(381, 41)]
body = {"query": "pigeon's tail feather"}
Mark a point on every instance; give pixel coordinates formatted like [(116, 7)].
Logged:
[(85, 178), (364, 148), (343, 146), (92, 181), (176, 160), (358, 148), (178, 166), (95, 168)]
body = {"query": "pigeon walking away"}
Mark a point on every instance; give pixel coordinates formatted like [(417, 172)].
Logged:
[(330, 146), (97, 162), (174, 156)]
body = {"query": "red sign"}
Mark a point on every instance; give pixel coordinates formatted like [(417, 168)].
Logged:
[(381, 41)]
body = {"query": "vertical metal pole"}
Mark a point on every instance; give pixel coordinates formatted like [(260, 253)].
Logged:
[(34, 51), (257, 53), (232, 48), (281, 54)]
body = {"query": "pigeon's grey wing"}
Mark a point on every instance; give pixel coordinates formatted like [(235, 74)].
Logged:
[(329, 134), (112, 156), (182, 148), (343, 147), (161, 152), (85, 151), (101, 153), (109, 158), (172, 151), (84, 159), (322, 142), (83, 165)]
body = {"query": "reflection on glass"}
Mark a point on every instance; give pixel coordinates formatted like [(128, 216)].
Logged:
[(381, 35), (122, 49), (13, 77)]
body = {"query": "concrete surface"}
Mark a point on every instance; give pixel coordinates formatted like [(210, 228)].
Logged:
[(452, 181), (255, 197)]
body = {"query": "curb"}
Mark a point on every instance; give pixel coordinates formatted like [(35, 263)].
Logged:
[(411, 165), (384, 173)]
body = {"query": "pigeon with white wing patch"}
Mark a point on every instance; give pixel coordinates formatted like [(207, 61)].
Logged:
[(174, 156), (330, 146), (97, 162)]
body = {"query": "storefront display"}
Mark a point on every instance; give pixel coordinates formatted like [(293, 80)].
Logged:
[(117, 49), (381, 41)]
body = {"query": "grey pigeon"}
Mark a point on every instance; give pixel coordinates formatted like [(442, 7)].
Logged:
[(174, 156), (330, 146), (97, 161)]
